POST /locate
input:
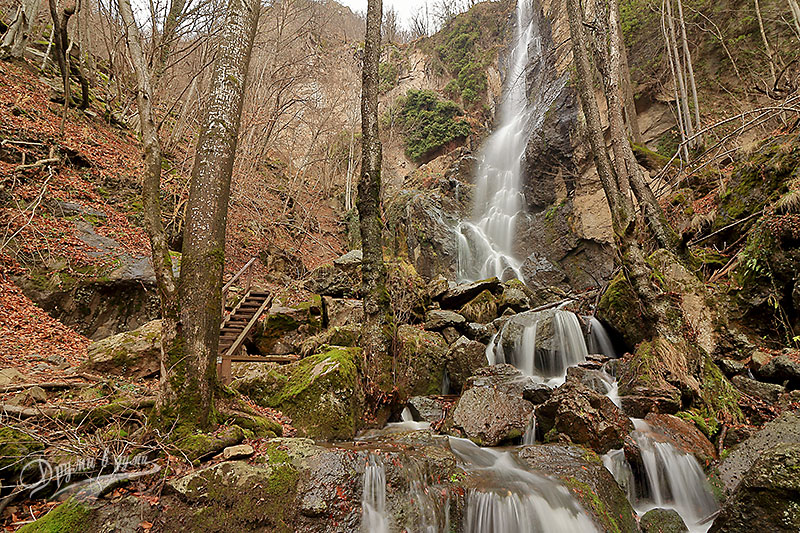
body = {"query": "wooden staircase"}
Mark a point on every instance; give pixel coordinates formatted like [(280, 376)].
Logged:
[(238, 324)]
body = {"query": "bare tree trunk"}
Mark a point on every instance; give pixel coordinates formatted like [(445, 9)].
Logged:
[(688, 57), (619, 203), (18, 34), (200, 287), (60, 21), (767, 47), (151, 199), (628, 96), (684, 95), (168, 38), (794, 7), (377, 309), (673, 65)]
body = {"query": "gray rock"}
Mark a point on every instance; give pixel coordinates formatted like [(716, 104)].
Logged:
[(731, 367), (662, 521), (439, 319), (537, 393), (596, 380), (768, 392), (340, 279), (450, 334), (781, 369), (11, 376), (759, 359), (490, 417), (464, 358), (343, 311), (438, 287), (425, 408), (350, 259), (61, 208), (479, 332), (515, 297), (240, 451), (29, 397), (134, 354), (457, 296)]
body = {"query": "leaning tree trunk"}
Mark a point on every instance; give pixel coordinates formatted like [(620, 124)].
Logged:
[(193, 377), (151, 196), (377, 309), (60, 22), (19, 31)]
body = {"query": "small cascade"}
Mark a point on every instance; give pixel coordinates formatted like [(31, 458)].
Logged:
[(432, 511), (598, 340), (511, 499), (407, 423), (550, 342), (672, 479), (529, 437), (374, 518)]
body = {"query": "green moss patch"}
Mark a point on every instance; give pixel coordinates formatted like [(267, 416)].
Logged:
[(429, 123), (69, 517)]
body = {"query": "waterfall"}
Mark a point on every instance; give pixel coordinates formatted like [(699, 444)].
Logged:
[(550, 342), (513, 500), (598, 340), (374, 518), (486, 242), (529, 437), (672, 479)]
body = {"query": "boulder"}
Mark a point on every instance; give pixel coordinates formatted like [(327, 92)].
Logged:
[(340, 279), (450, 334), (438, 287), (29, 397), (768, 495), (284, 328), (583, 473), (134, 354), (784, 429), (464, 358), (459, 295), (11, 376), (759, 359), (481, 309), (480, 332), (515, 297), (662, 521), (490, 417), (342, 311), (421, 361), (596, 380), (241, 451), (619, 308), (407, 290), (585, 416), (684, 436), (769, 392), (438, 319), (426, 409), (349, 335), (537, 393), (784, 368), (731, 367), (322, 393)]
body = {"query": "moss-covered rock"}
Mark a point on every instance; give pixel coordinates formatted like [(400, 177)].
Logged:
[(349, 335), (620, 308), (481, 309), (407, 291), (15, 446), (200, 445), (662, 521), (321, 393), (134, 354), (421, 361), (69, 517)]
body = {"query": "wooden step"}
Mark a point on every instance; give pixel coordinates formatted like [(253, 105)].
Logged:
[(264, 358)]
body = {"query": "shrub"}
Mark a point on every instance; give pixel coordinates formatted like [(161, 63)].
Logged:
[(429, 123)]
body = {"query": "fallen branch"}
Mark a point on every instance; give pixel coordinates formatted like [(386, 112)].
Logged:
[(72, 415), (40, 163), (729, 226), (50, 385)]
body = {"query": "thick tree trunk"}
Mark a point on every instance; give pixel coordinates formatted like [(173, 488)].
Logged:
[(151, 199), (200, 289), (377, 309), (19, 31)]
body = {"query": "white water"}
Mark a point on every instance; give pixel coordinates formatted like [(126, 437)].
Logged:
[(407, 423), (674, 480), (374, 518), (598, 339), (514, 500), (529, 437), (486, 242)]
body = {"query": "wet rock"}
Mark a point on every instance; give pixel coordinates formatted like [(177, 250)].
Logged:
[(768, 392), (583, 473), (459, 295), (342, 311), (619, 307), (585, 416), (503, 377), (783, 368), (490, 417), (662, 521), (421, 361), (134, 354), (784, 429), (481, 309), (425, 408), (479, 332), (241, 451), (596, 380), (450, 334), (684, 436), (768, 495), (537, 393), (515, 296), (438, 319), (464, 358)]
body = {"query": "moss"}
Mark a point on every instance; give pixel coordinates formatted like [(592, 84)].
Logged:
[(69, 517), (588, 497), (15, 446), (719, 395), (198, 445), (481, 309), (621, 309)]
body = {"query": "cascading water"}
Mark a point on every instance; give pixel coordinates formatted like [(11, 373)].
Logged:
[(486, 243), (511, 499), (598, 339), (374, 518), (673, 479)]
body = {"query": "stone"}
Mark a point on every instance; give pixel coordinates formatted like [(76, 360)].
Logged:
[(350, 259), (438, 287), (584, 416), (582, 472), (684, 436), (459, 295), (769, 392), (450, 334), (421, 361), (480, 332), (11, 376), (438, 319), (537, 393), (240, 451), (515, 297), (759, 359), (342, 311), (284, 328), (464, 358), (768, 495), (481, 309), (425, 409), (596, 380), (340, 279), (731, 367), (782, 430), (784, 368), (662, 521), (490, 417), (134, 354), (349, 335), (619, 307)]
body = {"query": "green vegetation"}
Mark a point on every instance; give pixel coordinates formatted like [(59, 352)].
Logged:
[(429, 123), (69, 517)]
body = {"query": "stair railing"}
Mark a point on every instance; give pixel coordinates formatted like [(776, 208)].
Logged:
[(245, 270)]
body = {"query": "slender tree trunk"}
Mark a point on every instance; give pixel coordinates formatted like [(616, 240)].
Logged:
[(690, 69), (60, 21), (628, 96), (151, 199), (168, 38), (200, 286), (767, 47), (679, 68), (794, 7), (377, 309), (619, 203), (674, 67), (18, 34)]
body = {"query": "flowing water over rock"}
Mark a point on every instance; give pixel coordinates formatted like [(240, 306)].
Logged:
[(373, 500), (511, 499), (486, 243), (672, 480), (598, 339)]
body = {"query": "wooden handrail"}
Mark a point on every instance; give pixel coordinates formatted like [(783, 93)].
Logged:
[(225, 288), (239, 274)]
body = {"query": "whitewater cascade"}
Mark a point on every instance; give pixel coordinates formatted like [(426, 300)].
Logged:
[(486, 242), (598, 339), (373, 499), (513, 500), (673, 480)]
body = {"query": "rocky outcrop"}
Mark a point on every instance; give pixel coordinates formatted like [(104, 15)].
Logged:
[(340, 279), (784, 368), (684, 436), (420, 362), (464, 358), (584, 417), (134, 354), (284, 329)]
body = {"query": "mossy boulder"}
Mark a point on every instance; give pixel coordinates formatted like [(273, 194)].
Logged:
[(620, 308), (284, 328), (662, 521), (202, 445), (421, 361), (322, 393), (349, 335), (70, 517), (133, 354), (481, 309), (464, 358), (15, 446), (407, 291)]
